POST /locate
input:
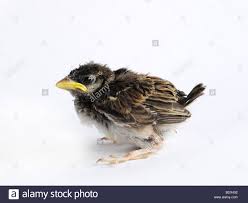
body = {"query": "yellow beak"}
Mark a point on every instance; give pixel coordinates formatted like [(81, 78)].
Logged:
[(68, 84)]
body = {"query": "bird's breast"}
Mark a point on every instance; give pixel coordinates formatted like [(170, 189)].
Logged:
[(90, 117)]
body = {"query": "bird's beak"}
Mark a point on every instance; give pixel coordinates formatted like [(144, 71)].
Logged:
[(68, 84)]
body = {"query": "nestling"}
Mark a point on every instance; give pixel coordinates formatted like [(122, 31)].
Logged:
[(127, 107)]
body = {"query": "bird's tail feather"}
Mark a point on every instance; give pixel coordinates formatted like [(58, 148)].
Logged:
[(196, 92)]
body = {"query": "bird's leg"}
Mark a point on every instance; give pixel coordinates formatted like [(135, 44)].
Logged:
[(133, 155), (105, 140)]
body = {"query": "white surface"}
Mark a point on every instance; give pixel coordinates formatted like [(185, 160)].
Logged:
[(41, 139)]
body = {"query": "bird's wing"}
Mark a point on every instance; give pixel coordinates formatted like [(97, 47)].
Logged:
[(164, 99), (137, 100)]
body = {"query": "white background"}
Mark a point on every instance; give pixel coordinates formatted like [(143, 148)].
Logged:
[(41, 138)]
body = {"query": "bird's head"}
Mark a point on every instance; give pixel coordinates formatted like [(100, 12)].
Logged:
[(86, 79)]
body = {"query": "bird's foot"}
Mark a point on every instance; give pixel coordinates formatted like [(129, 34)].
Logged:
[(105, 140), (134, 155), (111, 160)]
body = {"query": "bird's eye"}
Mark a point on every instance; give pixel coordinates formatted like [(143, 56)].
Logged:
[(89, 79)]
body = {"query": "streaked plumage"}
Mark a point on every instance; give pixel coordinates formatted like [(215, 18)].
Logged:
[(135, 108)]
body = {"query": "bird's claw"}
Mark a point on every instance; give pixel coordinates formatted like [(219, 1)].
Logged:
[(104, 140), (110, 160)]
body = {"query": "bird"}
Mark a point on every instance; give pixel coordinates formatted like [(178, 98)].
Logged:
[(127, 107)]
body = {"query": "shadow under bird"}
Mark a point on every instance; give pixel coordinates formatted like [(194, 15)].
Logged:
[(127, 107)]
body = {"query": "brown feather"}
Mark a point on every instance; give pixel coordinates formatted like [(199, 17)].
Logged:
[(141, 99)]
